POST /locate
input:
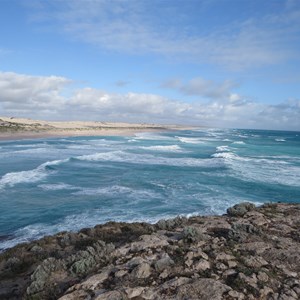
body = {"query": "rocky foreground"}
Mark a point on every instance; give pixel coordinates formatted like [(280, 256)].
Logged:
[(250, 253)]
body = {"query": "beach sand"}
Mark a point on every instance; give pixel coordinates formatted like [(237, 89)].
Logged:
[(20, 128)]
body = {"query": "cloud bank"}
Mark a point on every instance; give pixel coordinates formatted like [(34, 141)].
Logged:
[(54, 98)]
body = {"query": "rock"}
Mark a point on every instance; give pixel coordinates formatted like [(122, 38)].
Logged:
[(263, 277), (202, 288), (224, 257), (95, 281), (202, 265), (111, 295), (135, 261), (76, 295), (165, 273), (142, 271), (193, 234), (256, 256), (163, 263), (265, 292), (231, 264), (175, 283), (120, 273), (134, 292), (239, 210), (36, 249), (171, 223), (236, 295), (255, 261), (248, 280), (149, 241), (220, 266)]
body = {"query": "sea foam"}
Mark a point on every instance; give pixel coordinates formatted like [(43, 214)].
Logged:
[(122, 156), (37, 174), (169, 148)]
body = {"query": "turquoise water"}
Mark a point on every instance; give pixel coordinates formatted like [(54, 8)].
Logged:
[(50, 185)]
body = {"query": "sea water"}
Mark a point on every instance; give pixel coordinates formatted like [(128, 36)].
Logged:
[(57, 184)]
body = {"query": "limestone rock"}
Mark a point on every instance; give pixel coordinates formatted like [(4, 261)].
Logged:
[(77, 295), (110, 295), (142, 271), (240, 209), (203, 288), (163, 263)]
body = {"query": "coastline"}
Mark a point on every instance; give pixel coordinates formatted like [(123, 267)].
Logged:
[(235, 256), (18, 128)]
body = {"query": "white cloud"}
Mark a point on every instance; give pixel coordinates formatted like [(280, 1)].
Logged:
[(202, 87), (45, 98), (140, 27)]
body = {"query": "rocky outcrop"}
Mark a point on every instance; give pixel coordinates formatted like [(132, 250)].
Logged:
[(250, 253)]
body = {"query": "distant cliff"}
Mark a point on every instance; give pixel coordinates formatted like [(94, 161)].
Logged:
[(250, 253)]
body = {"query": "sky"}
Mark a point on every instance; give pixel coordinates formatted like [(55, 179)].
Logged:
[(216, 63)]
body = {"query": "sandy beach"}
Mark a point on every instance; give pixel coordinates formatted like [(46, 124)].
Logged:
[(20, 128)]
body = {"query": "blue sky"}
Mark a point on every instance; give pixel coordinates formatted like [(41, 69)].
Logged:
[(221, 63)]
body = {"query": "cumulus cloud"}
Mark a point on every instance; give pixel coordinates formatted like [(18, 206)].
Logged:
[(45, 97), (139, 27), (30, 94)]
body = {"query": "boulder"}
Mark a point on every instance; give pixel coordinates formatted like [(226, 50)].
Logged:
[(239, 210)]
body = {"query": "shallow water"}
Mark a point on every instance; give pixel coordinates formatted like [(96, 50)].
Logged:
[(50, 185)]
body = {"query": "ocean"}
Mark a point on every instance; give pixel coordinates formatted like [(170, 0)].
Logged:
[(57, 184)]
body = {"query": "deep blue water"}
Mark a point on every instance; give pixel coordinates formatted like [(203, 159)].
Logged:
[(50, 185)]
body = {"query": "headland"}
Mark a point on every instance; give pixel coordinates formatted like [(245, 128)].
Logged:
[(249, 253)]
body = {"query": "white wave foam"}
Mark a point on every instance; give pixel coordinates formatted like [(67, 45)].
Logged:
[(57, 187), (188, 140), (170, 148), (119, 190), (121, 156), (280, 140), (222, 148), (239, 143), (255, 169), (226, 155), (32, 151), (37, 174), (152, 136)]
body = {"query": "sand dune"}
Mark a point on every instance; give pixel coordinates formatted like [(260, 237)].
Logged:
[(19, 128)]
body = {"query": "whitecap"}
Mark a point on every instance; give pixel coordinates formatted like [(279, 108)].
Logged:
[(57, 187), (239, 143), (151, 136), (37, 174), (222, 148), (32, 151), (118, 190), (170, 148), (121, 156), (280, 140), (226, 155), (190, 140)]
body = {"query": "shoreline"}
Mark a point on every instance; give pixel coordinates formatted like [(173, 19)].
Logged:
[(234, 256), (17, 128)]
